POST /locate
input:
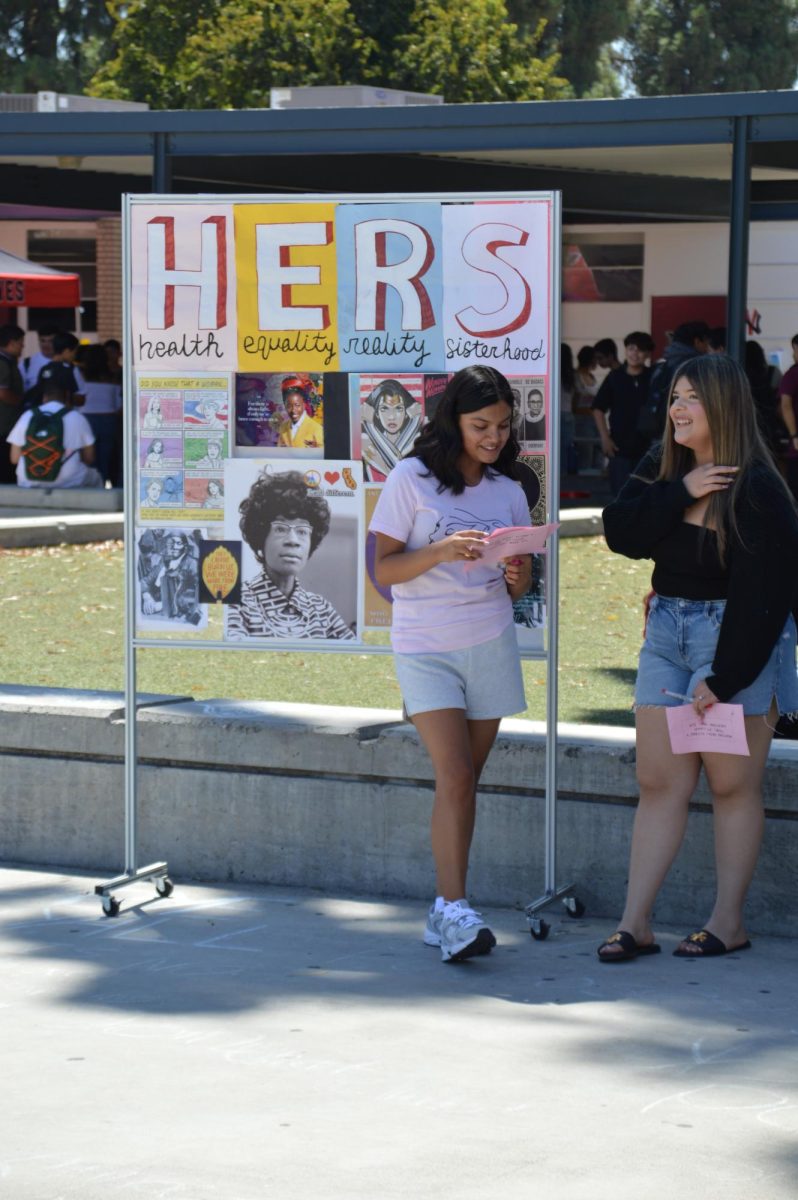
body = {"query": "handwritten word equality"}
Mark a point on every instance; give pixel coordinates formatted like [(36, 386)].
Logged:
[(297, 343)]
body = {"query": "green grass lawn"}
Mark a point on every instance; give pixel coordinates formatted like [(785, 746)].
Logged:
[(63, 628)]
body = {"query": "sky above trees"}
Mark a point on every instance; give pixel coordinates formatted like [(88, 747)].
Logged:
[(229, 53)]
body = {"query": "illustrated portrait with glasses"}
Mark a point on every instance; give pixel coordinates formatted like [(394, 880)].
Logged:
[(284, 520)]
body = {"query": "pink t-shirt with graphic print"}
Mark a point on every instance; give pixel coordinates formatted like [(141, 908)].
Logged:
[(453, 605)]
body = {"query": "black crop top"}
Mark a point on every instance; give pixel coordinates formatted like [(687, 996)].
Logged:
[(686, 564), (761, 581)]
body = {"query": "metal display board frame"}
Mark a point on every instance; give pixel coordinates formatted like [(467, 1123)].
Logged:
[(158, 872)]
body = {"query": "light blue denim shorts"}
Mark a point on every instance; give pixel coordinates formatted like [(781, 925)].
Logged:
[(485, 680), (680, 644)]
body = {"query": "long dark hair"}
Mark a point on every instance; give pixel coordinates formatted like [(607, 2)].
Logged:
[(440, 443)]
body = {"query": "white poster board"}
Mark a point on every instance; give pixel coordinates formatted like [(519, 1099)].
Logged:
[(286, 351)]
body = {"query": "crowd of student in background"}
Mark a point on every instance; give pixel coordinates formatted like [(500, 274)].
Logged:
[(612, 411), (87, 383)]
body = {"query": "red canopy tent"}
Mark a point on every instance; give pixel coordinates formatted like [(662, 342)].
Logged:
[(32, 285)]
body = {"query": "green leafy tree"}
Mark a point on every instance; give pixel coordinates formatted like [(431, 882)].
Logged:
[(149, 37), (52, 45), (229, 53), (249, 46), (685, 47), (470, 50), (582, 33), (383, 21)]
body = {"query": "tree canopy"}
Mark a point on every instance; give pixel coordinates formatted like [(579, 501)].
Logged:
[(229, 53), (470, 50), (683, 46), (52, 45), (581, 32)]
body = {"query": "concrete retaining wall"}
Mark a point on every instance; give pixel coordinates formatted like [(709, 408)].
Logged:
[(339, 799)]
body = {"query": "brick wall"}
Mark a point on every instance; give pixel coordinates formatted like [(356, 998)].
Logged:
[(109, 278)]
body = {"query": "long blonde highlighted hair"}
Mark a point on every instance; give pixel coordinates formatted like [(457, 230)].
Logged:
[(725, 394)]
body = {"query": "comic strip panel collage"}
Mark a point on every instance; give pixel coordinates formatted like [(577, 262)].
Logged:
[(182, 444), (256, 490)]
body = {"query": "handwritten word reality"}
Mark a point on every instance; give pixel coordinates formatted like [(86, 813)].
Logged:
[(390, 346)]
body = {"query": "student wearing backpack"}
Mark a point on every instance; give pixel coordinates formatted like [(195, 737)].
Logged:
[(52, 445), (11, 389)]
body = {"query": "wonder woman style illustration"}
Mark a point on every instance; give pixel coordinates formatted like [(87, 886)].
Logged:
[(391, 422)]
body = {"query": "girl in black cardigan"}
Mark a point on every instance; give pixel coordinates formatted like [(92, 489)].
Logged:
[(709, 507)]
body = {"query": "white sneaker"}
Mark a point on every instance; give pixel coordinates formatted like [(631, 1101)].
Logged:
[(432, 929), (463, 933)]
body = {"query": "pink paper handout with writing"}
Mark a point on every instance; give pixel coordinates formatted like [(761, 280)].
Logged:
[(721, 729), (514, 540)]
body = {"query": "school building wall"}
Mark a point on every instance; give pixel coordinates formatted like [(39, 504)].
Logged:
[(107, 233), (692, 260)]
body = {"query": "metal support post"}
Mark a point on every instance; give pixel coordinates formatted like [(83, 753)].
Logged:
[(740, 208), (158, 872), (537, 926), (161, 164)]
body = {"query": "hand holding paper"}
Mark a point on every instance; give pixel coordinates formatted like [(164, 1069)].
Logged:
[(513, 541), (720, 729)]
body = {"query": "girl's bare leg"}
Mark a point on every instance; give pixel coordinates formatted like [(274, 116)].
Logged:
[(667, 781), (458, 749), (736, 784)]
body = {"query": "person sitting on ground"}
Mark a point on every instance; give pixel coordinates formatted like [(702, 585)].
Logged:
[(622, 395), (69, 440), (12, 339)]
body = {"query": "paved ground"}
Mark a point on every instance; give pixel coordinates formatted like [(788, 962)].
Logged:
[(240, 1043)]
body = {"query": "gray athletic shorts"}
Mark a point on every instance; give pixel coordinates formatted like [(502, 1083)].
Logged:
[(485, 680)]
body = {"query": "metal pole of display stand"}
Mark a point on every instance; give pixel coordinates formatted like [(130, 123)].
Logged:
[(538, 928), (158, 872)]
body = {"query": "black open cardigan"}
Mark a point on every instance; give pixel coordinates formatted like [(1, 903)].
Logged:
[(762, 563)]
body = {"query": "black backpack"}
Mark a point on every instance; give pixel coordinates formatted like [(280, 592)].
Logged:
[(44, 445)]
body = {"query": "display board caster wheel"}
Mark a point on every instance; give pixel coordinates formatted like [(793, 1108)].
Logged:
[(111, 906), (538, 929), (574, 907), (164, 887)]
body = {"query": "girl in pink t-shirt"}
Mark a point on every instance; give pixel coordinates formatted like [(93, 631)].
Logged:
[(452, 631)]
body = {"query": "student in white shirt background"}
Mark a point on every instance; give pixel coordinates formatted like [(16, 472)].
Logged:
[(76, 467)]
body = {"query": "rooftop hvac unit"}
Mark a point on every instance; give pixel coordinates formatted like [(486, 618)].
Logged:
[(358, 96), (51, 102)]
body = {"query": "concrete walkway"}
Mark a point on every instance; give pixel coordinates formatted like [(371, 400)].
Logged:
[(248, 1043)]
